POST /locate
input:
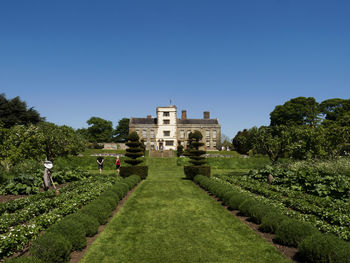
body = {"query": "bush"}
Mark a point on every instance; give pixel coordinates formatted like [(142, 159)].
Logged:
[(227, 196), (51, 248), (72, 230), (90, 223), (121, 190), (126, 171), (271, 221), (192, 171), (236, 200), (291, 232), (324, 248), (254, 209), (23, 260), (98, 211), (245, 206)]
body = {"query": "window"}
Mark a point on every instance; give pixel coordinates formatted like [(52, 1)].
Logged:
[(152, 145), (188, 133), (166, 121), (207, 134), (182, 134), (144, 133), (152, 134), (166, 114), (166, 133), (183, 143), (214, 144), (208, 144), (214, 134), (169, 143)]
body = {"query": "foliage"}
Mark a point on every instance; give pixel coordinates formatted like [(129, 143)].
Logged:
[(193, 151), (126, 171), (51, 248), (271, 221), (297, 111), (100, 130), (15, 112), (291, 232), (243, 142), (24, 259), (122, 130), (89, 223), (324, 248), (134, 150), (336, 111), (180, 150), (192, 171)]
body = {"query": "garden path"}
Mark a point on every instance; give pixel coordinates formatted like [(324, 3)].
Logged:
[(170, 219)]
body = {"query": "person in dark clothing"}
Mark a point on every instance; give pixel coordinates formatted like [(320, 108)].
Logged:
[(100, 161)]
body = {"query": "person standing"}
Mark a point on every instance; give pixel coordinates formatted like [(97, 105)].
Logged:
[(100, 161), (117, 164)]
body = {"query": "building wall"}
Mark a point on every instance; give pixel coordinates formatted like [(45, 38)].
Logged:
[(164, 115)]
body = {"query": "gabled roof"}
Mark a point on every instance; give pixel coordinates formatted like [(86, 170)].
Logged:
[(197, 121), (143, 121)]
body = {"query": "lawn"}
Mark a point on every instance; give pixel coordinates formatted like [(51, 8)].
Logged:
[(169, 219)]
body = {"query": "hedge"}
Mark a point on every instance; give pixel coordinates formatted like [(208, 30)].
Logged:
[(192, 171), (23, 260), (90, 223), (271, 221), (126, 171)]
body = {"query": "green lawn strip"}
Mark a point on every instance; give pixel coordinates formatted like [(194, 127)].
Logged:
[(168, 219)]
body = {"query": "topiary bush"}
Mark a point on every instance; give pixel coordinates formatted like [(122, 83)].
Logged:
[(192, 171), (271, 221), (99, 211), (291, 232), (134, 149), (23, 260), (71, 230), (324, 248), (126, 171), (51, 248), (89, 223)]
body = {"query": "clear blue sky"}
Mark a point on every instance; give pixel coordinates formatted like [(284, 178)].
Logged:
[(238, 59)]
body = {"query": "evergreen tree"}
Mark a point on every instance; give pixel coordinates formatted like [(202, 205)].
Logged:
[(193, 152), (180, 150), (135, 149)]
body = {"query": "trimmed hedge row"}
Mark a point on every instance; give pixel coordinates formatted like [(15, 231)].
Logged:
[(313, 246), (192, 171), (69, 234), (126, 171)]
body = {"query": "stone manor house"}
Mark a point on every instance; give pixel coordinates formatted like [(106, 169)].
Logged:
[(166, 131)]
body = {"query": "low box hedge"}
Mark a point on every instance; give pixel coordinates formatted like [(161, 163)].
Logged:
[(51, 248), (24, 260), (126, 171), (90, 223), (192, 171), (271, 221)]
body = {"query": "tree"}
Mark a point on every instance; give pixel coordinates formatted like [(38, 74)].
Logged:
[(100, 130), (336, 111), (272, 141), (243, 142), (297, 111), (122, 130), (134, 149), (14, 112), (193, 152), (180, 150)]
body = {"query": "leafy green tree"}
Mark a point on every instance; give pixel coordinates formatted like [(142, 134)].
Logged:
[(336, 111), (134, 150), (243, 142), (122, 130), (15, 112), (272, 141), (100, 130), (193, 151), (297, 111), (180, 150)]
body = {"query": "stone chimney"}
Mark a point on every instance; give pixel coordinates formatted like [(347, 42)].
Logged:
[(184, 115), (149, 116), (206, 115)]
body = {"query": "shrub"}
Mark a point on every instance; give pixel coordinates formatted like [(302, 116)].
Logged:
[(121, 190), (245, 206), (291, 232), (271, 221), (100, 212), (72, 230), (192, 171), (236, 200), (192, 151), (51, 248), (254, 209), (24, 260), (227, 196), (134, 150), (324, 248), (90, 223), (126, 171)]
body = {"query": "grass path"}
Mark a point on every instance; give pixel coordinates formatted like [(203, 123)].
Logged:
[(168, 219)]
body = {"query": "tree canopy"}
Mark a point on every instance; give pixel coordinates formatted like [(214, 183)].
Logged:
[(100, 130), (15, 112), (122, 130)]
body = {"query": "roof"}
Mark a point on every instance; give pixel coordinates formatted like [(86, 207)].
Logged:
[(143, 121), (197, 121)]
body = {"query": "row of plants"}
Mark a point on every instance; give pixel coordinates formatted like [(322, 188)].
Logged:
[(327, 214), (24, 224), (69, 234), (313, 246), (329, 178)]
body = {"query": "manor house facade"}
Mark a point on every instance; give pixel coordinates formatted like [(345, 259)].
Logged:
[(166, 131)]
